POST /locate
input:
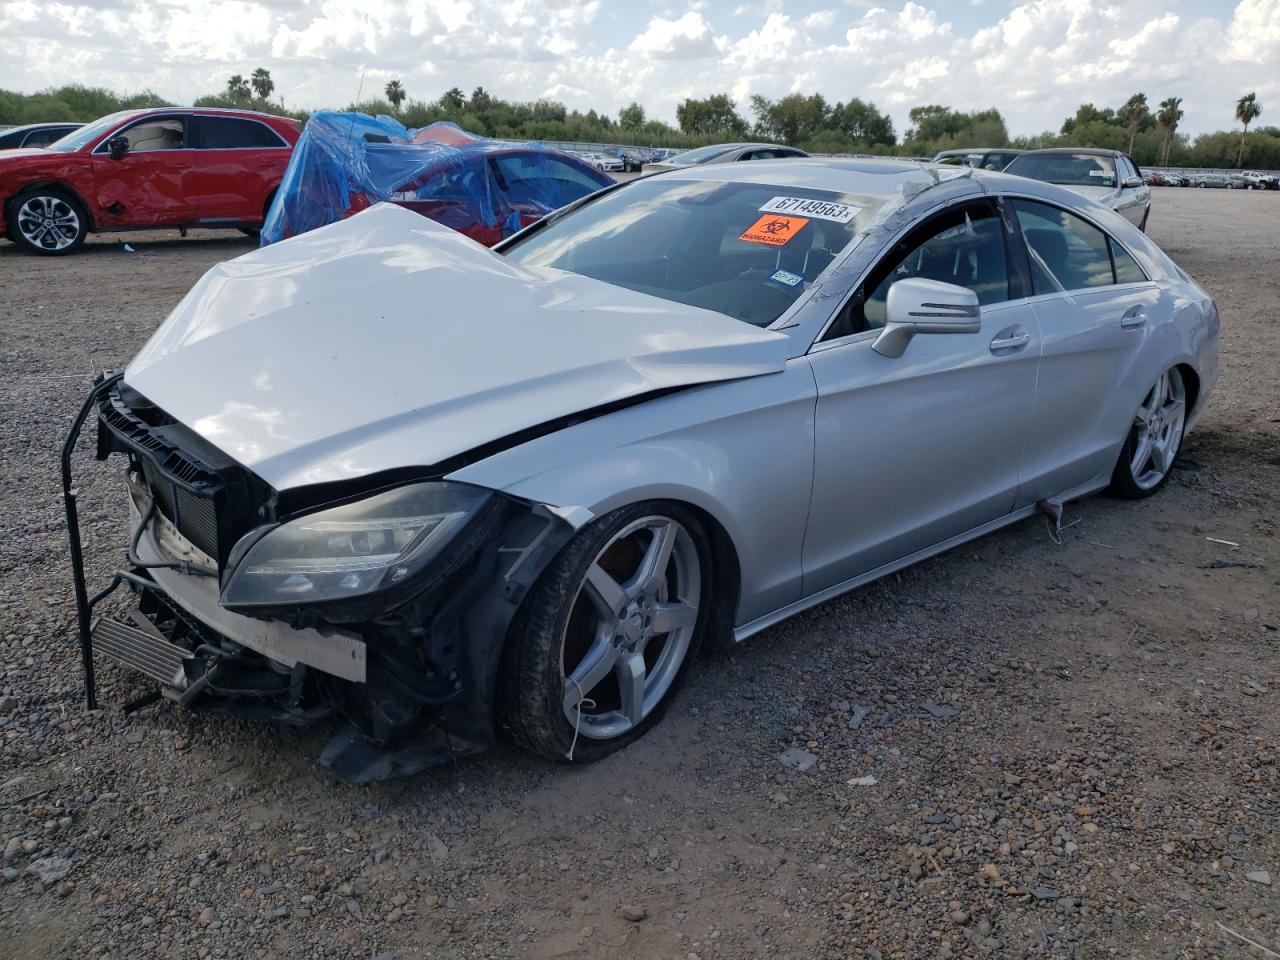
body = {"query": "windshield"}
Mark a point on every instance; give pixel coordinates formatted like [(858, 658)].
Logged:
[(701, 155), (1069, 169), (747, 250), (88, 133)]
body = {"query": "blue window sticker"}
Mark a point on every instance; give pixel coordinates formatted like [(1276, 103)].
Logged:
[(787, 278)]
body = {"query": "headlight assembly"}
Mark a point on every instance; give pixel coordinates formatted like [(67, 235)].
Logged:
[(352, 550)]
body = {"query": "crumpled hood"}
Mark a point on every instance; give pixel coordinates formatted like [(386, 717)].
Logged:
[(387, 340)]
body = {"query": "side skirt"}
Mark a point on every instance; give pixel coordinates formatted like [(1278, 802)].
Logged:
[(770, 619)]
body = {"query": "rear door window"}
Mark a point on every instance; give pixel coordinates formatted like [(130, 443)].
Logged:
[(232, 133), (1067, 253)]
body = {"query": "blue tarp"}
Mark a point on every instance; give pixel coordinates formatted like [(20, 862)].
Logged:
[(344, 162)]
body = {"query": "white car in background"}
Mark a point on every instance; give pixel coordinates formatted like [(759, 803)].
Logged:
[(602, 161), (1108, 177)]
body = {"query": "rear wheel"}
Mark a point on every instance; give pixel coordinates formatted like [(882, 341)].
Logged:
[(607, 634), (1149, 451), (47, 221)]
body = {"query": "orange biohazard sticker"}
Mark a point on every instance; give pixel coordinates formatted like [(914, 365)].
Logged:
[(773, 229)]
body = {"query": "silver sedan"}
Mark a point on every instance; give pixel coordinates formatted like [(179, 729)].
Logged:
[(442, 492)]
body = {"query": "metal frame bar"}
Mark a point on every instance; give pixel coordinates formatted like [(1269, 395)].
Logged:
[(84, 606)]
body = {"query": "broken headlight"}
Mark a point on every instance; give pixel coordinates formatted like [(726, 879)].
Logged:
[(354, 549)]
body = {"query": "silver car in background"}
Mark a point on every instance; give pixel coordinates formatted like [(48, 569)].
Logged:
[(1108, 177), (670, 415)]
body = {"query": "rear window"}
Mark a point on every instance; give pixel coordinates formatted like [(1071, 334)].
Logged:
[(747, 250), (232, 133), (1069, 169)]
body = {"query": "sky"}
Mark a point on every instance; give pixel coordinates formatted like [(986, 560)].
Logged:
[(1035, 60)]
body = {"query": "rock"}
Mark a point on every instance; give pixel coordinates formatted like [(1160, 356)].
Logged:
[(939, 712), (1258, 876), (801, 761), (12, 849), (633, 913), (1044, 893), (959, 916), (856, 716), (206, 916), (436, 848), (49, 870), (399, 900), (867, 781), (990, 872)]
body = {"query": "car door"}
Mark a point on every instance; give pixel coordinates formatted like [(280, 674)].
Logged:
[(236, 164), (1094, 304), (915, 450), (144, 188)]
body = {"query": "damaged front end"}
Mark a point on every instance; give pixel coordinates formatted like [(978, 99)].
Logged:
[(382, 602)]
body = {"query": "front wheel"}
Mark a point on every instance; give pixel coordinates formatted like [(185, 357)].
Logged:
[(1150, 449), (606, 635), (47, 221)]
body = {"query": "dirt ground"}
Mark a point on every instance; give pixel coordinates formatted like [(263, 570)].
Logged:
[(1072, 747)]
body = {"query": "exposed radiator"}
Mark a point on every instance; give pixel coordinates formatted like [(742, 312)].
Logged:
[(140, 650)]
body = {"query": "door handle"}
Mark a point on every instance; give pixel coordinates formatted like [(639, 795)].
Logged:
[(1016, 342), (1133, 318)]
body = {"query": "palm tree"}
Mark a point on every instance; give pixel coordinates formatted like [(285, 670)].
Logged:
[(262, 83), (1134, 109), (1168, 116), (1247, 110), (238, 88), (395, 93)]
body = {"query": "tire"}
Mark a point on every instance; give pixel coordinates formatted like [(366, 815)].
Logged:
[(1154, 439), (560, 692), (46, 220), (254, 232)]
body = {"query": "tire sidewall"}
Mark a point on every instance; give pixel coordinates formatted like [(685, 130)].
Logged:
[(538, 632), (11, 220)]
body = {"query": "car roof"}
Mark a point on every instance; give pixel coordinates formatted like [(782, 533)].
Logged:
[(880, 179), (42, 126), (1084, 151)]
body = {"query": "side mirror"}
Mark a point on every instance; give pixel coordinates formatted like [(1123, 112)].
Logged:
[(1132, 182), (917, 306), (119, 146)]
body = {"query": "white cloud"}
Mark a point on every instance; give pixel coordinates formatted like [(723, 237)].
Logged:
[(1036, 60), (688, 38)]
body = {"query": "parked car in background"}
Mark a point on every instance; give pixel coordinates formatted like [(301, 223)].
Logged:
[(1256, 180), (486, 189), (1104, 176), (35, 134), (633, 160), (164, 167), (980, 158), (382, 475), (603, 161), (725, 153), (1216, 181)]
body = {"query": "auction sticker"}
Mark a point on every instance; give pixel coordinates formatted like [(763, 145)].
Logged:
[(787, 278), (773, 230), (819, 209)]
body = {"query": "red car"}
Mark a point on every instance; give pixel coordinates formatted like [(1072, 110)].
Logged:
[(167, 167)]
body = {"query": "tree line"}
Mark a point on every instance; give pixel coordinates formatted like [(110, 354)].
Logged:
[(808, 121)]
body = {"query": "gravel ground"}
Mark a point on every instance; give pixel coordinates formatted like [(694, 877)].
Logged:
[(1020, 749)]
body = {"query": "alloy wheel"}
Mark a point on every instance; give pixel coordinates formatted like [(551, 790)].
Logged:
[(630, 627), (1157, 430), (49, 222)]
